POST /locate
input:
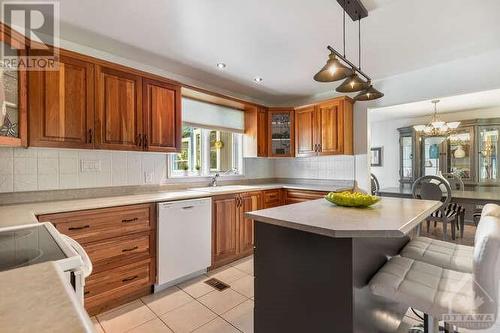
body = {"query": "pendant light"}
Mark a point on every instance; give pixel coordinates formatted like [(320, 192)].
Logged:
[(334, 70), (368, 94), (353, 83)]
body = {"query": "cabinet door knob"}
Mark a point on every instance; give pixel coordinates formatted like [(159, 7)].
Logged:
[(90, 135), (138, 140)]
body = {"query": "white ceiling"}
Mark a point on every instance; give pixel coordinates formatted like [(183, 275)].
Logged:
[(474, 101), (283, 41)]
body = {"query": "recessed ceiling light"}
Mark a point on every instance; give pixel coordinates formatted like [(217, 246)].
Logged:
[(221, 65), (258, 79)]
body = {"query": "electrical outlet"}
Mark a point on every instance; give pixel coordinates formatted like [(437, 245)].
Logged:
[(90, 166), (148, 177)]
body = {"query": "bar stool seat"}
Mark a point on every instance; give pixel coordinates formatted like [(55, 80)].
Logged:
[(439, 253), (428, 288)]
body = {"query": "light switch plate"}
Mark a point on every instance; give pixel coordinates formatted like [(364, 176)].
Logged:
[(90, 166)]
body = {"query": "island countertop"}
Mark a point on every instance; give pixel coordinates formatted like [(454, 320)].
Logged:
[(390, 217)]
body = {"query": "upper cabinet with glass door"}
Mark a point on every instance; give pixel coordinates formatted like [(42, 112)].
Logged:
[(13, 97), (281, 132), (488, 154)]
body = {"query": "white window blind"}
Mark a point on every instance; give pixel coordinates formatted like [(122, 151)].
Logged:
[(205, 115)]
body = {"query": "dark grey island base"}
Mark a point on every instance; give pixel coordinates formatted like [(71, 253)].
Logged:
[(306, 282), (313, 262)]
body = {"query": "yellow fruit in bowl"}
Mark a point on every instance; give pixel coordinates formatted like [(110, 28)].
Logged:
[(352, 199)]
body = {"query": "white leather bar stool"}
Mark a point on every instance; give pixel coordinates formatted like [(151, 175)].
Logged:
[(444, 254), (467, 300)]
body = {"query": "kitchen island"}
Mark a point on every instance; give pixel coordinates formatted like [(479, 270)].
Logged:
[(313, 262)]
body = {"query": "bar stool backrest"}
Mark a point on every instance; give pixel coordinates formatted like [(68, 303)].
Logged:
[(486, 265), (375, 185), (456, 183), (432, 188)]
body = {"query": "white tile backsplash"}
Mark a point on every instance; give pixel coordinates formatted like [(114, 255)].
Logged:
[(49, 169), (319, 167)]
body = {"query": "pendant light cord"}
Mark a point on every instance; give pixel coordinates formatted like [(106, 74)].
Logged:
[(343, 28), (359, 43)]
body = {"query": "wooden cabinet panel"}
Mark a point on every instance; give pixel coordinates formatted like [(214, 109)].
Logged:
[(325, 128), (121, 243), (162, 110), (272, 198), (295, 196), (13, 87), (248, 202), (62, 105), (330, 128), (262, 139), (119, 248), (224, 229), (97, 224), (108, 289), (306, 121), (119, 110)]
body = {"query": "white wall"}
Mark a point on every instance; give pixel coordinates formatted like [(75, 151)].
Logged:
[(385, 134)]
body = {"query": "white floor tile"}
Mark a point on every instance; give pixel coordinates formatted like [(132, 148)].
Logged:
[(188, 317), (166, 300), (218, 325), (241, 316), (125, 317), (152, 326), (196, 287), (222, 301)]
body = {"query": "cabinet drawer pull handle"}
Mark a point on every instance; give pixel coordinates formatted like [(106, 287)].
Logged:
[(86, 292), (130, 278), (79, 228), (130, 220), (188, 207), (130, 249)]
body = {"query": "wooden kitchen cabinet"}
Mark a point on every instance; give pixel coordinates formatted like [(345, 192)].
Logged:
[(121, 243), (294, 196), (272, 198), (61, 105), (162, 116), (306, 128), (281, 139), (13, 92), (325, 128), (224, 229), (262, 139), (232, 232), (119, 117), (248, 202)]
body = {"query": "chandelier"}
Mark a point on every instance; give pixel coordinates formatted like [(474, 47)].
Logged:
[(437, 127), (338, 67)]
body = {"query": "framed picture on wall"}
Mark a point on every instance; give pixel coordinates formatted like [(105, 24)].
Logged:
[(376, 156)]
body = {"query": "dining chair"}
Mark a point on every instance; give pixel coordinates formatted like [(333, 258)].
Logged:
[(456, 184), (375, 185), (437, 188)]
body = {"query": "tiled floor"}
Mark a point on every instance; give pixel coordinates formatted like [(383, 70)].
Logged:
[(192, 306)]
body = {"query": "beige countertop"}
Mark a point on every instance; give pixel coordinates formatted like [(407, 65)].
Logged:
[(36, 299), (26, 213), (391, 217)]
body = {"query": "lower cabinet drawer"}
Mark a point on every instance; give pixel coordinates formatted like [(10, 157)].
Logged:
[(108, 289), (272, 198), (295, 196), (120, 248)]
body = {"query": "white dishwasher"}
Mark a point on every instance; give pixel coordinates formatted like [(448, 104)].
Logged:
[(184, 240)]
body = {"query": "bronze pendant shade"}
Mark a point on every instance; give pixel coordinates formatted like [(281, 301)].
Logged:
[(368, 94), (334, 70), (352, 84)]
